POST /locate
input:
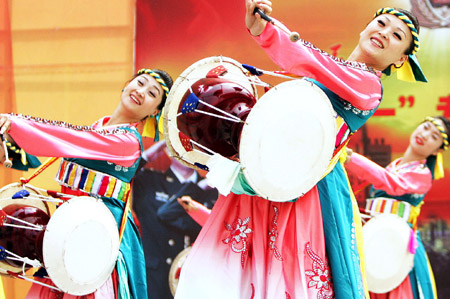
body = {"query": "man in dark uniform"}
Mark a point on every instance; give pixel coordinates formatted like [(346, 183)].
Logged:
[(165, 226)]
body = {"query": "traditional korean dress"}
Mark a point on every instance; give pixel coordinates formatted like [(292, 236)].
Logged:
[(407, 185), (99, 161), (307, 248)]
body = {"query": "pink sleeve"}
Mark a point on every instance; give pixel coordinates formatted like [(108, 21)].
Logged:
[(418, 180), (200, 214), (48, 140), (355, 84)]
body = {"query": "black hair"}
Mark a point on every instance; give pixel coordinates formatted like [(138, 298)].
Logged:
[(169, 82)]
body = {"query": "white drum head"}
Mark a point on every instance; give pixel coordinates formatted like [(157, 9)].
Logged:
[(388, 261), (235, 72), (81, 245), (288, 141)]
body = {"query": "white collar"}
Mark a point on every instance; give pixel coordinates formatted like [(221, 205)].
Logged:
[(192, 178)]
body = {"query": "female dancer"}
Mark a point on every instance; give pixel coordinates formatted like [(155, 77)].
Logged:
[(308, 248), (408, 179), (109, 149)]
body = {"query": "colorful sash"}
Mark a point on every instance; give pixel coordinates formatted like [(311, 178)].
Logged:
[(402, 209), (94, 183)]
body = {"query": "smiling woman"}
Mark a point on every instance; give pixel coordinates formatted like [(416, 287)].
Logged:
[(404, 183), (310, 246), (109, 149)]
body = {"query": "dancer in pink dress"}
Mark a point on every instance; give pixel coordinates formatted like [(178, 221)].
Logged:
[(306, 248), (100, 161), (407, 180)]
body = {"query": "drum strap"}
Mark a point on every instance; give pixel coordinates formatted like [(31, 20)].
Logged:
[(339, 153), (39, 170), (123, 222)]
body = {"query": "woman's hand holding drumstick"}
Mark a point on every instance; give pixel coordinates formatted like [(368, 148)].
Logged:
[(5, 125), (258, 14)]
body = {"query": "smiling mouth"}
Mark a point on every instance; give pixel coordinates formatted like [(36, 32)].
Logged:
[(419, 141), (135, 99), (377, 42)]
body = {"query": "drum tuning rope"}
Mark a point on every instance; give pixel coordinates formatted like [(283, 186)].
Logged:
[(230, 117), (194, 142), (33, 281), (252, 80), (293, 36), (4, 215), (15, 257), (7, 162)]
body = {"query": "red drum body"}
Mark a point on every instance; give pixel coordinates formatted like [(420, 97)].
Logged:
[(284, 141), (78, 244), (25, 243), (220, 135), (219, 83)]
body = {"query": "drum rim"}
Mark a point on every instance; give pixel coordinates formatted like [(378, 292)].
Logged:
[(171, 100), (181, 257)]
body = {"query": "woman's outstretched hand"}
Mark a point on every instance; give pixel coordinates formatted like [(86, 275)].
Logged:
[(5, 123), (253, 21)]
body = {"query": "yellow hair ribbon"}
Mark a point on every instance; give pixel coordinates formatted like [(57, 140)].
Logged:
[(439, 167), (150, 127), (409, 71), (405, 72)]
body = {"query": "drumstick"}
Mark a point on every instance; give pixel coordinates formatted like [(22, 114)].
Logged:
[(7, 162), (293, 36)]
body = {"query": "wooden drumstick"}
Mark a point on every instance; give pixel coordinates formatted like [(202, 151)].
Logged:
[(293, 36), (7, 162)]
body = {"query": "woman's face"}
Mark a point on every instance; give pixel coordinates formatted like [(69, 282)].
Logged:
[(426, 139), (142, 96), (384, 41)]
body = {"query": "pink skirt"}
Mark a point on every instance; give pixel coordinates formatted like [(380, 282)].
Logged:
[(254, 248)]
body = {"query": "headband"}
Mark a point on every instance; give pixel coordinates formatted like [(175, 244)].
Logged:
[(441, 130), (153, 125), (157, 77), (410, 71), (439, 164)]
